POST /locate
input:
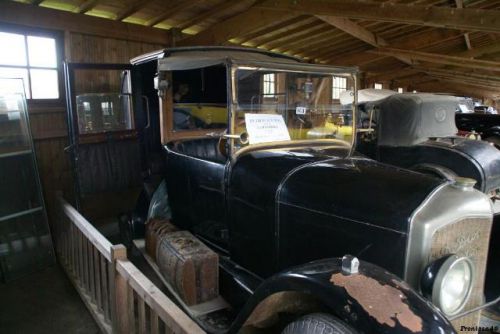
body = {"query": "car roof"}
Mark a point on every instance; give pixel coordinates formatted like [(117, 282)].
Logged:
[(186, 58)]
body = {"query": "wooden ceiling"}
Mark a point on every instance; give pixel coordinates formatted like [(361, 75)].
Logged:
[(450, 46)]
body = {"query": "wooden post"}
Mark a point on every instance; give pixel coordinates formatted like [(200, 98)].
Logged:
[(118, 291)]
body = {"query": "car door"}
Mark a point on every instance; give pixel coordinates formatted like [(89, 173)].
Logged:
[(196, 191), (196, 105)]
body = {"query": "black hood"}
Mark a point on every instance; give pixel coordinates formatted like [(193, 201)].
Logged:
[(281, 200), (482, 155), (358, 189), (475, 159)]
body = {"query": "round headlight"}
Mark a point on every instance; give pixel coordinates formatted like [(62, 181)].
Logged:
[(453, 283)]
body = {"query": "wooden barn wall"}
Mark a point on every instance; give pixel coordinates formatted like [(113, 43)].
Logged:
[(49, 123)]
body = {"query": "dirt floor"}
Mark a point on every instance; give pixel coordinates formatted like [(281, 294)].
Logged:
[(42, 303)]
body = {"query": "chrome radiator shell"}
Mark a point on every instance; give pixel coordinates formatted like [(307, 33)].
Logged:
[(452, 220)]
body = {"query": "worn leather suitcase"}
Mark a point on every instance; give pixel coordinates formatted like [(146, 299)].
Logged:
[(155, 229), (189, 266)]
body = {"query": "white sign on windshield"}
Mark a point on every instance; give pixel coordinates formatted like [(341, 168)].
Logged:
[(264, 128)]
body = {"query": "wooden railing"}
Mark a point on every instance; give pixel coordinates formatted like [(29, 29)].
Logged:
[(119, 297)]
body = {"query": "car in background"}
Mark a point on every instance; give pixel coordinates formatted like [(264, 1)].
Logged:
[(417, 131)]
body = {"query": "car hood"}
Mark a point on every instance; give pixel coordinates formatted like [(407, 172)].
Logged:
[(328, 190), (358, 189)]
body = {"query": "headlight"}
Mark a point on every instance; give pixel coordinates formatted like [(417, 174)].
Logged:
[(448, 282)]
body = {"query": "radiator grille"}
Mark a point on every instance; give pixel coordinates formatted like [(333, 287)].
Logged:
[(468, 237)]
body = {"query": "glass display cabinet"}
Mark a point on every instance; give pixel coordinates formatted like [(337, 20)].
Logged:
[(25, 240)]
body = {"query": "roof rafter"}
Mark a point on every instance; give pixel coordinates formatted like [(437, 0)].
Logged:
[(239, 25), (359, 32), (304, 27), (481, 51), (207, 14), (460, 4), (458, 88), (441, 59), (129, 11), (272, 28), (459, 74), (354, 30), (451, 18), (296, 37), (179, 7), (86, 6)]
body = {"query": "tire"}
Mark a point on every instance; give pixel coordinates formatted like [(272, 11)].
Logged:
[(318, 323)]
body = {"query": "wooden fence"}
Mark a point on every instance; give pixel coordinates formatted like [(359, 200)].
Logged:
[(119, 297)]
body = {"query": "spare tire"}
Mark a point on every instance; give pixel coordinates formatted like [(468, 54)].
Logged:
[(318, 323)]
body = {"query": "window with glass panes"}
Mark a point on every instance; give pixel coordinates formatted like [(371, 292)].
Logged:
[(339, 85), (33, 58), (269, 85)]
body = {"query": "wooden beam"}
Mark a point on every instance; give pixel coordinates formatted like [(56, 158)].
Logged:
[(413, 42), (41, 17), (270, 29), (441, 59), (392, 75), (359, 32), (250, 20), (459, 75), (463, 89), (310, 46), (216, 10), (444, 17), (282, 35), (129, 11), (460, 4), (179, 7), (86, 6), (301, 37), (480, 83), (481, 51), (354, 30)]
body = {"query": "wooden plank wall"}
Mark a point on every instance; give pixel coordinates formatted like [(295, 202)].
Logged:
[(49, 124)]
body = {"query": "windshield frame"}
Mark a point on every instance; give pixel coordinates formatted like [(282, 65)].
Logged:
[(234, 66)]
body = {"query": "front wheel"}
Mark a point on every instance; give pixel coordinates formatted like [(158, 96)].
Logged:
[(318, 323)]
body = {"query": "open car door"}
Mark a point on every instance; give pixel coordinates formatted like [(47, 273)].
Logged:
[(104, 141)]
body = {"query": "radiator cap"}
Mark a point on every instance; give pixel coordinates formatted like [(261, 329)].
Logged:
[(464, 183)]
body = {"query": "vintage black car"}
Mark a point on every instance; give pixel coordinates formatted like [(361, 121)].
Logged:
[(260, 166)]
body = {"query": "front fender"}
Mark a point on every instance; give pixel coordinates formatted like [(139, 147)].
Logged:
[(371, 301)]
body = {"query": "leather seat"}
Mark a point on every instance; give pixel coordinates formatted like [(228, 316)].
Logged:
[(205, 149)]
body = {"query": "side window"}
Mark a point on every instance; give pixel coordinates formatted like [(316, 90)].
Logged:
[(101, 102), (199, 99), (35, 57)]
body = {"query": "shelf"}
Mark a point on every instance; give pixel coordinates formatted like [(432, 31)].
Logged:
[(20, 214), (15, 153)]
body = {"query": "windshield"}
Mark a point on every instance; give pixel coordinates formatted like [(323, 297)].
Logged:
[(277, 106)]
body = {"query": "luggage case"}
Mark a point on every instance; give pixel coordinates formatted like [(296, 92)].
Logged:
[(190, 267), (155, 229)]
